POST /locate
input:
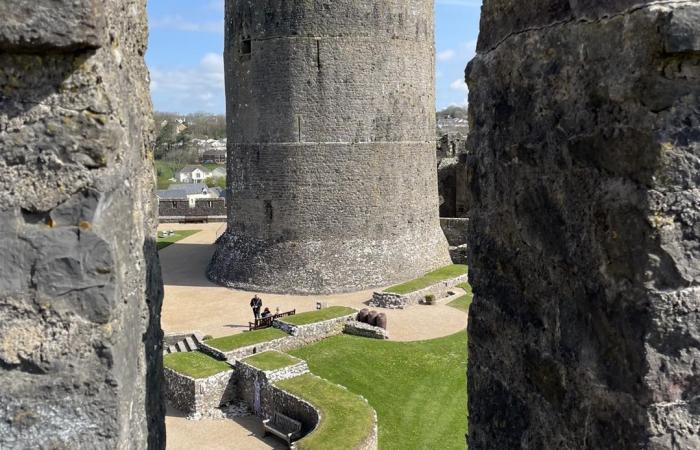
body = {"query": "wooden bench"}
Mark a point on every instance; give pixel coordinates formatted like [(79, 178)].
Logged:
[(266, 322), (283, 427)]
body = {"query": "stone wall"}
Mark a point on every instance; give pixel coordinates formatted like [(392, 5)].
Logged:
[(314, 331), (199, 397), (452, 175), (400, 301), (356, 328), (584, 238), (256, 390), (178, 210), (80, 290), (332, 156), (455, 230), (282, 344), (299, 336)]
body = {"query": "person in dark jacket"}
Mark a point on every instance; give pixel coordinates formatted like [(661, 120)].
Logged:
[(256, 304), (266, 313)]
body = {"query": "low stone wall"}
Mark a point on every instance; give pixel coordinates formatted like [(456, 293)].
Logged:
[(372, 441), (252, 382), (205, 210), (399, 301), (281, 344), (364, 330), (199, 397), (315, 331)]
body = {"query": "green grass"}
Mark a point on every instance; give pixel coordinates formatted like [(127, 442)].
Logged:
[(228, 343), (417, 388), (318, 316), (463, 302), (194, 364), (271, 360), (431, 278), (346, 420), (170, 240)]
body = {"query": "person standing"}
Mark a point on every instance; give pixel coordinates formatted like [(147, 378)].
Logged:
[(256, 304)]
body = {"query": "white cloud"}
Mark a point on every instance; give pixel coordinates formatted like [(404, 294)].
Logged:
[(200, 88), (446, 55), (459, 85), (178, 23)]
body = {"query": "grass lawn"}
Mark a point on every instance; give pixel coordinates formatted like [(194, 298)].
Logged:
[(170, 240), (426, 280), (417, 388), (228, 343), (194, 364), (271, 360), (318, 316), (345, 418), (463, 302)]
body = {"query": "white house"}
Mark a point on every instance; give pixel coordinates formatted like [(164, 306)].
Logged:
[(192, 174)]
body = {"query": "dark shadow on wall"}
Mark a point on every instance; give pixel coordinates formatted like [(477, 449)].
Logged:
[(155, 407)]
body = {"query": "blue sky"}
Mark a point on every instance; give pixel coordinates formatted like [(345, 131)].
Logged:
[(186, 47)]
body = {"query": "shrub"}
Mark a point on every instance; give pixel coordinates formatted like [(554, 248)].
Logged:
[(430, 299)]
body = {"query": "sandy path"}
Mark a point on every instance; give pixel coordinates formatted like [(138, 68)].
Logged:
[(192, 302)]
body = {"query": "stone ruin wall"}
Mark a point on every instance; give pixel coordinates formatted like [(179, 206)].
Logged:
[(80, 291), (584, 236), (331, 146)]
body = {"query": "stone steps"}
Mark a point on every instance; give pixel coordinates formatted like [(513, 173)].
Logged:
[(189, 344)]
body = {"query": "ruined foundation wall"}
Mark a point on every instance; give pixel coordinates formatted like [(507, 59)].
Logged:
[(80, 292), (331, 115), (584, 237)]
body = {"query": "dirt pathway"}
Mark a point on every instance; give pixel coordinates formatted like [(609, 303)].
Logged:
[(192, 302)]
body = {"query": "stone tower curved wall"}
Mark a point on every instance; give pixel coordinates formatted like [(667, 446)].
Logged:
[(331, 145)]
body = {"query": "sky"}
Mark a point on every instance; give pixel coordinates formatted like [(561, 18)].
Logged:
[(187, 40)]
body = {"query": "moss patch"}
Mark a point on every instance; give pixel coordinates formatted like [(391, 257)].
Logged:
[(318, 316), (194, 364), (429, 279), (462, 303), (228, 343), (346, 420), (271, 360)]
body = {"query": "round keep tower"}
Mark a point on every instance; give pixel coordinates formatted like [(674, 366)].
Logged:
[(331, 140)]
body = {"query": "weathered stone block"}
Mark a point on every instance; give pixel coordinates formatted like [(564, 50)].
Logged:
[(365, 330), (39, 25), (199, 397), (80, 289), (584, 247)]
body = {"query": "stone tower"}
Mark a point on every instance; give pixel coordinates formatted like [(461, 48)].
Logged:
[(331, 145)]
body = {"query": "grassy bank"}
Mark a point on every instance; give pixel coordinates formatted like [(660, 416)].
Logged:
[(429, 279), (417, 388)]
